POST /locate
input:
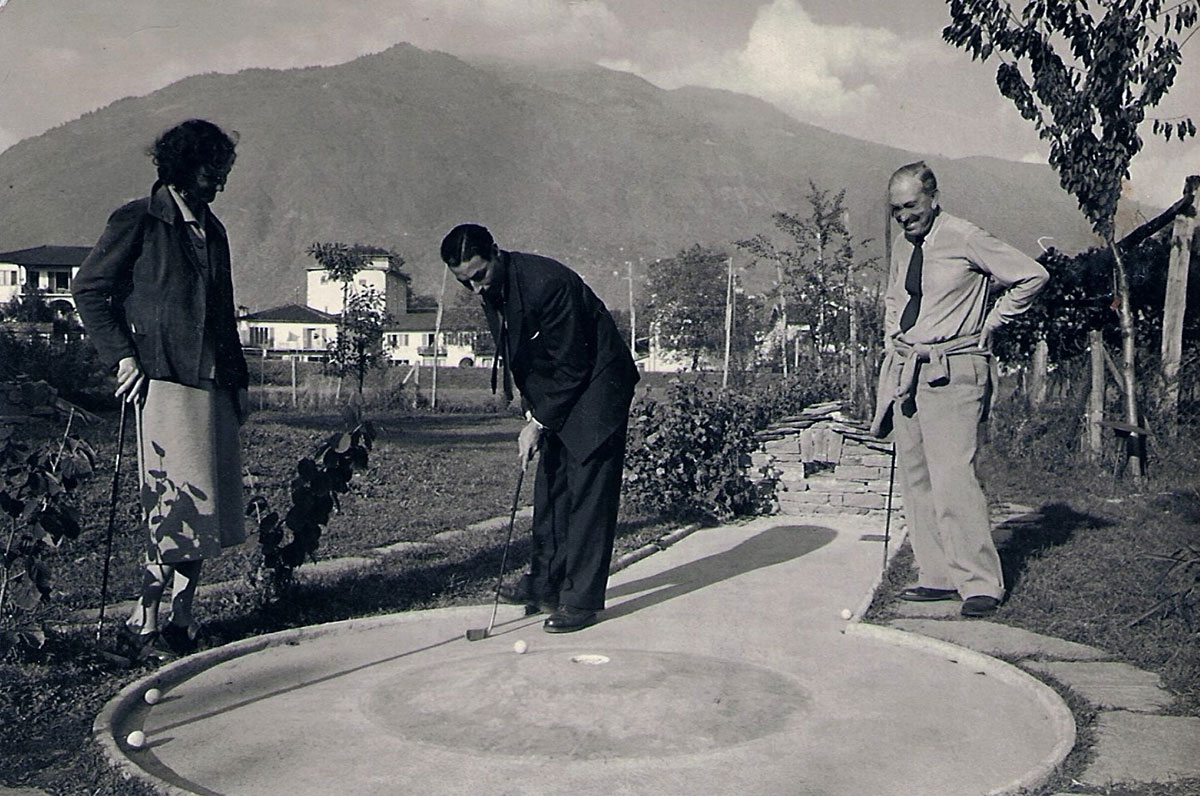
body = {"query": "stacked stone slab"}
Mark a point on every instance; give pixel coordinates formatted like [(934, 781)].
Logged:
[(826, 462), (22, 399)]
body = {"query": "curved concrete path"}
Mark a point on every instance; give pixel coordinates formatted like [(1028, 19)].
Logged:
[(723, 665)]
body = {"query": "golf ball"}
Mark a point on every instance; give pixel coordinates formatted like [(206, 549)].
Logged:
[(136, 739), (519, 647), (846, 613), (152, 696)]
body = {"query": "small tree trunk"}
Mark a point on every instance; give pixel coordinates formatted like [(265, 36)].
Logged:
[(1137, 443), (1095, 438)]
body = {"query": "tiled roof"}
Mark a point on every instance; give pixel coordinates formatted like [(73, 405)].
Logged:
[(47, 255), (290, 313), (454, 319)]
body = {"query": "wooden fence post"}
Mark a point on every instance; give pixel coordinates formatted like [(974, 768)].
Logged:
[(1095, 439), (1038, 373), (1174, 306)]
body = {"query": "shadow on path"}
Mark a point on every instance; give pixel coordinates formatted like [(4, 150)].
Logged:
[(773, 546)]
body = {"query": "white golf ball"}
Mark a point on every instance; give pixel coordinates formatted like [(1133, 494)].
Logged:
[(519, 647), (846, 613), (136, 739), (152, 696)]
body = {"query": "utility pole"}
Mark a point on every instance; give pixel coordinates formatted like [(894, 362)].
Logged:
[(632, 312), (437, 335), (728, 323)]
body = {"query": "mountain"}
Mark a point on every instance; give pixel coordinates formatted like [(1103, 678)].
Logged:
[(590, 165)]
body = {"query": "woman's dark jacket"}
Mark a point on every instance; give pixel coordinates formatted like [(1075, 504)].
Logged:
[(143, 291)]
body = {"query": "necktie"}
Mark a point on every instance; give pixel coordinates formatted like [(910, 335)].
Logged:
[(912, 286), (502, 354)]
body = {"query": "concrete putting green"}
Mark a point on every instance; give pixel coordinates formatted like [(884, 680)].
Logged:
[(722, 666), (559, 703)]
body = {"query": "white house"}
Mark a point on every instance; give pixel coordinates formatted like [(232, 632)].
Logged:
[(49, 269), (409, 340), (325, 294), (292, 330)]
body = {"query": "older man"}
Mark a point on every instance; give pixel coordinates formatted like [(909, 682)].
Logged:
[(576, 377), (935, 385)]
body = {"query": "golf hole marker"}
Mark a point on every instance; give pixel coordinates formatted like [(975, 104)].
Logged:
[(590, 659)]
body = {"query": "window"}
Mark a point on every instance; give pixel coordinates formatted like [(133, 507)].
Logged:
[(62, 281), (260, 336)]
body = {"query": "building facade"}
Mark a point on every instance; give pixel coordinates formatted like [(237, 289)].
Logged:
[(48, 270)]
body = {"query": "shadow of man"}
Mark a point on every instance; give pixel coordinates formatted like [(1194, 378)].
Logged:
[(773, 546)]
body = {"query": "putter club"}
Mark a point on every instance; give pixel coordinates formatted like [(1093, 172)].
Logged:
[(887, 522), (112, 512), (478, 633)]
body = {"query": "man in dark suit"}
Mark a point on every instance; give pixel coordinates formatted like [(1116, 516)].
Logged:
[(559, 345)]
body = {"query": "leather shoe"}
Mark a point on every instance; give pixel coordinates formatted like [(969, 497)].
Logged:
[(924, 594), (517, 593), (567, 620), (520, 593), (980, 605)]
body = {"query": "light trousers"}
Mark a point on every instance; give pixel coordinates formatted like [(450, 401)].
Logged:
[(937, 434)]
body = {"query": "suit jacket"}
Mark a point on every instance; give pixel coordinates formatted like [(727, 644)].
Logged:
[(143, 291), (566, 357)]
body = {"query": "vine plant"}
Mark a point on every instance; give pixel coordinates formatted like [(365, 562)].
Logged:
[(318, 482), (37, 487)]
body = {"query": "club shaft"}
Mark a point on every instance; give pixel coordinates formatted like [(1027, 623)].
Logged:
[(512, 520), (887, 522), (112, 515)]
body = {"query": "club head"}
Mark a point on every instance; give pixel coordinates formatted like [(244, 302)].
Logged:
[(477, 633)]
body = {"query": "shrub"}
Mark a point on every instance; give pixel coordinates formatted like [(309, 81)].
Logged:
[(688, 454), (71, 367)]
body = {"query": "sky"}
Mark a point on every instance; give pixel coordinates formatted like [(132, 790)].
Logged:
[(873, 69)]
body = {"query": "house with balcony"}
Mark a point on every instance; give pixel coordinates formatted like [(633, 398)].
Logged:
[(292, 331), (49, 270), (414, 339)]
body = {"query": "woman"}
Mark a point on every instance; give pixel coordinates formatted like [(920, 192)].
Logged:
[(156, 298)]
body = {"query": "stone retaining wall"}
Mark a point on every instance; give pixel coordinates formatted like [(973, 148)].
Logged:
[(827, 463)]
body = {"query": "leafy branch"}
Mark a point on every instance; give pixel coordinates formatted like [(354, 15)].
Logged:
[(315, 491)]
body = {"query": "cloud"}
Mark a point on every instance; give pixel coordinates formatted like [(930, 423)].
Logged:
[(583, 29), (1157, 175), (789, 59)]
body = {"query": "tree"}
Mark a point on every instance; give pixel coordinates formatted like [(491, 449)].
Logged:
[(687, 302), (817, 276), (1121, 58), (29, 306), (357, 348)]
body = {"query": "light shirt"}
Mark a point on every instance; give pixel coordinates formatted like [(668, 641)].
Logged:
[(208, 348), (960, 262), (189, 218)]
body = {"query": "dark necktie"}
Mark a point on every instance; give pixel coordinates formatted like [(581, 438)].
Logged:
[(912, 286), (502, 354)]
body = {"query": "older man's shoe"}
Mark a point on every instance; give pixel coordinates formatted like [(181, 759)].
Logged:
[(980, 605), (567, 620), (924, 594)]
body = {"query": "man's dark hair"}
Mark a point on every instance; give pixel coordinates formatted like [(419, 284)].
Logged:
[(466, 241), (922, 172), (187, 146)]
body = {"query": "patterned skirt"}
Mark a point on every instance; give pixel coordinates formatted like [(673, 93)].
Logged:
[(190, 460)]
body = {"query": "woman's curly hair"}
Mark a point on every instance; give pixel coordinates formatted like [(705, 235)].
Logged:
[(187, 146)]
